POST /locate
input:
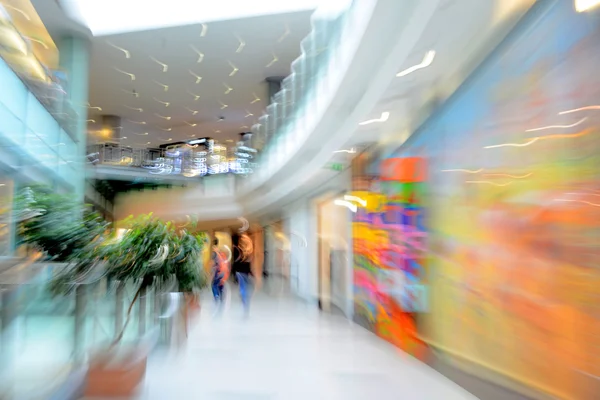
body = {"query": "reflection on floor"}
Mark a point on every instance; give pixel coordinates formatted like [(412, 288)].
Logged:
[(287, 350)]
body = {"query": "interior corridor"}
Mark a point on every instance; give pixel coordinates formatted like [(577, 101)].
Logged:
[(287, 350)]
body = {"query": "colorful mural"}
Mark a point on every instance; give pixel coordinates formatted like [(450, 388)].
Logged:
[(389, 253), (513, 211)]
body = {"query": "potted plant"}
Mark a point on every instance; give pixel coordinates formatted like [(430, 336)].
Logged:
[(150, 254), (55, 223)]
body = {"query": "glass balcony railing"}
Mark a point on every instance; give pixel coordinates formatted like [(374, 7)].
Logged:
[(44, 340), (303, 93)]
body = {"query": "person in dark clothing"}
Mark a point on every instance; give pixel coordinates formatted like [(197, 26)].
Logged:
[(242, 257)]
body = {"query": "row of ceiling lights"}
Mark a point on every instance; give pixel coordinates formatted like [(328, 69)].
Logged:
[(165, 68)]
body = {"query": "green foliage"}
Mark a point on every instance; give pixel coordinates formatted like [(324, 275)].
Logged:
[(150, 252), (55, 223)]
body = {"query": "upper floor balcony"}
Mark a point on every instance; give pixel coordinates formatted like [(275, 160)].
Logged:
[(37, 120)]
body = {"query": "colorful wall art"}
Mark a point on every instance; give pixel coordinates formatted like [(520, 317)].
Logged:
[(513, 210), (390, 253)]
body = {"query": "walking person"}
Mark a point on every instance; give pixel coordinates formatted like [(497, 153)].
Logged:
[(219, 273), (242, 257)]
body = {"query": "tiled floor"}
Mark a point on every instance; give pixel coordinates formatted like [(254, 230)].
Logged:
[(287, 350)]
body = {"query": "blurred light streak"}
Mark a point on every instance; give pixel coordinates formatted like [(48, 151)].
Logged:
[(165, 103), (468, 171), (557, 126), (583, 194), (579, 201), (204, 30), (273, 61), (196, 97), (427, 60), (44, 45), (245, 224), (579, 109), (384, 117), (356, 199), (234, 69), (164, 66), (351, 151), (132, 76), (527, 143), (352, 207), (511, 176), (125, 51), (535, 139), (23, 13), (490, 183), (256, 99), (241, 45), (229, 251), (165, 87), (285, 34), (198, 77)]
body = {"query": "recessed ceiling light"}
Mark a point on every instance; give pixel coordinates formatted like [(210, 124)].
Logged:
[(200, 54), (132, 76), (285, 34), (241, 45), (165, 87), (196, 97), (135, 108), (164, 66), (234, 69), (93, 108), (165, 103), (126, 52), (273, 61), (198, 77)]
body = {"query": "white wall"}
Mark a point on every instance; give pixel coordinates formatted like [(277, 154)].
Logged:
[(303, 279), (302, 227)]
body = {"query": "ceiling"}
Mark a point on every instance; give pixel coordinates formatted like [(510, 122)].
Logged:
[(227, 80)]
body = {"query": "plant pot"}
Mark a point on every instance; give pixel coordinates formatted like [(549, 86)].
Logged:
[(192, 305), (115, 377)]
